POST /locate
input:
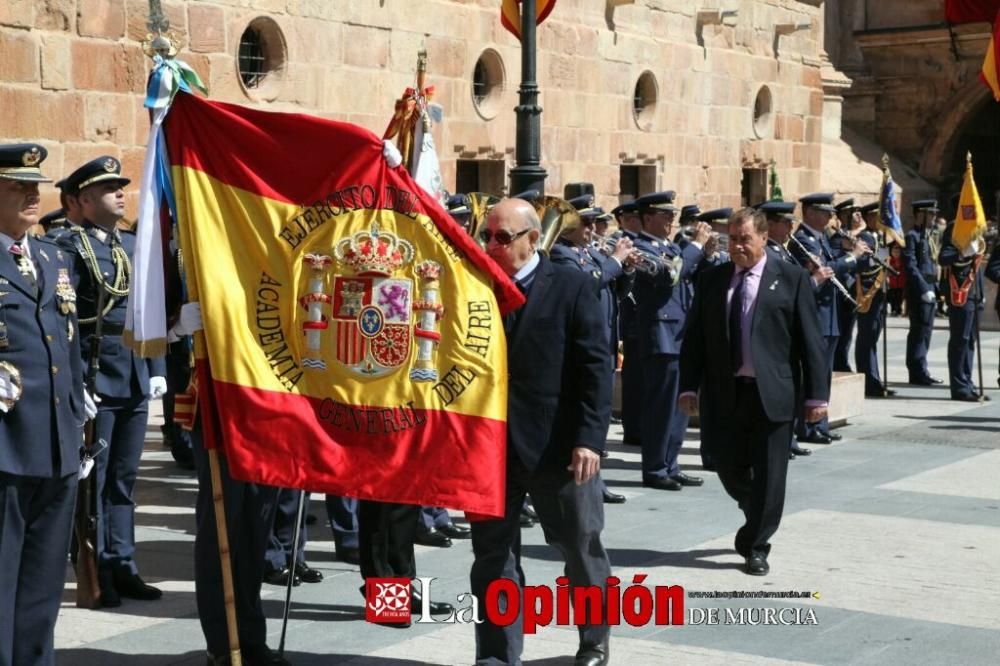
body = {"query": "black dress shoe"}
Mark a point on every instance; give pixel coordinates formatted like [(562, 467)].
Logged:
[(261, 655), (437, 607), (967, 397), (799, 451), (280, 577), (662, 483), (818, 438), (594, 655), (431, 537), (131, 586), (307, 574), (925, 381), (687, 480), (613, 498), (454, 531), (757, 565), (349, 555), (834, 436)]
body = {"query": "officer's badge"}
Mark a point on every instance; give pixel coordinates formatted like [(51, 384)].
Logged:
[(65, 294), (110, 165), (44, 256), (31, 158)]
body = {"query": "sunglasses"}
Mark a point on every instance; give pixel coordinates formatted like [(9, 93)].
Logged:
[(502, 237)]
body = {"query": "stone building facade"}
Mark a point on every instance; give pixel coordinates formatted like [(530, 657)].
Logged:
[(697, 96)]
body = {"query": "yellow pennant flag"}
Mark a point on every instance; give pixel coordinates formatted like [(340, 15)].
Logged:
[(970, 220)]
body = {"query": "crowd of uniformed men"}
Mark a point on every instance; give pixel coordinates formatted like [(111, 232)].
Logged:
[(645, 258)]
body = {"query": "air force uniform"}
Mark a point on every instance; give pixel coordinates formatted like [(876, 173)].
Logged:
[(871, 320), (965, 297), (921, 279), (40, 431)]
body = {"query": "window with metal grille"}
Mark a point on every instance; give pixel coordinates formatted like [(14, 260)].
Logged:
[(480, 85), (252, 59)]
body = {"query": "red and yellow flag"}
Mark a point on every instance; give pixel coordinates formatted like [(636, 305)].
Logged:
[(353, 335), (970, 220), (510, 14), (990, 74)]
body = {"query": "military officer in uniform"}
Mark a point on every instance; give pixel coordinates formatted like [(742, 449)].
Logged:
[(101, 254), (812, 250), (42, 408), (458, 207), (663, 296), (849, 222), (627, 216), (965, 298), (870, 295), (689, 215), (921, 291)]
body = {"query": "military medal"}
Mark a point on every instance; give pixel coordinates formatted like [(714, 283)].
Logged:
[(65, 294)]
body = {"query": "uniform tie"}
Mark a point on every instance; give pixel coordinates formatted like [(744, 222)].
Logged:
[(736, 323), (24, 265)]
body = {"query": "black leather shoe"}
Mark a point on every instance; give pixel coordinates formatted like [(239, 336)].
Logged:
[(834, 436), (925, 381), (613, 498), (594, 655), (307, 574), (437, 607), (131, 586), (816, 439), (280, 577), (431, 537), (880, 393), (261, 655), (349, 555), (799, 451), (968, 397), (757, 565), (687, 480), (453, 531), (662, 483)]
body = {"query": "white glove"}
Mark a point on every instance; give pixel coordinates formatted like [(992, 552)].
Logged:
[(973, 249), (90, 404), (157, 387), (391, 154), (188, 323), (928, 297)]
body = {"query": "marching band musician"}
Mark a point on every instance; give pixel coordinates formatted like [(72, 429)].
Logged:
[(871, 294), (812, 250), (43, 405), (663, 297), (627, 216), (964, 296), (848, 220)]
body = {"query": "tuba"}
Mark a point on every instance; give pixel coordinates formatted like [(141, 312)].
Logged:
[(480, 205), (554, 213)]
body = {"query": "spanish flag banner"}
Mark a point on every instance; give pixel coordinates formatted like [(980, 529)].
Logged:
[(888, 210), (510, 14), (353, 334), (970, 220), (990, 74)]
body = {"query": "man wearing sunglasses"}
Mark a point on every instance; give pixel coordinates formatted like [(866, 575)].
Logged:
[(559, 405), (663, 296)]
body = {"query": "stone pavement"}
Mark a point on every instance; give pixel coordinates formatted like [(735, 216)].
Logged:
[(897, 528)]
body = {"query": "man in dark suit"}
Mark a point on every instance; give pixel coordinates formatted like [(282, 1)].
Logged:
[(42, 406), (752, 329), (559, 405), (921, 291), (101, 253), (662, 298)]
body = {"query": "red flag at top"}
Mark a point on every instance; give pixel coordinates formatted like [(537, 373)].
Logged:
[(971, 11), (510, 14)]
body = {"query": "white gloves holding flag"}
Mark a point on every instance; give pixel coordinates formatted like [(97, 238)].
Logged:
[(90, 404), (391, 154), (928, 297), (9, 393), (187, 323), (157, 387), (972, 250)]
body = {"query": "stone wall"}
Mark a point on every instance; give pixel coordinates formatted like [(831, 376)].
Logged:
[(72, 74)]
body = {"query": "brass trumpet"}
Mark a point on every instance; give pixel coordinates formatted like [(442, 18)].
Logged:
[(647, 263), (554, 213)]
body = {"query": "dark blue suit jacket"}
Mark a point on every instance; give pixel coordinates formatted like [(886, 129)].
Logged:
[(662, 304), (122, 373), (559, 394), (827, 296), (42, 434)]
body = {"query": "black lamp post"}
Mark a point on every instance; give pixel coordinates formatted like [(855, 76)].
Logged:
[(528, 173)]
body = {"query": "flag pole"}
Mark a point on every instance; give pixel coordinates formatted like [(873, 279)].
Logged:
[(885, 331), (296, 533)]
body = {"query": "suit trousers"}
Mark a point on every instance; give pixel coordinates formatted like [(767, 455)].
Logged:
[(343, 515), (572, 518), (36, 517), (433, 516), (279, 547), (961, 350), (121, 422), (660, 416), (249, 520), (753, 466), (386, 532), (918, 340), (866, 350)]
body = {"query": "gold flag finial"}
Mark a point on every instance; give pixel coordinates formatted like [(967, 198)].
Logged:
[(968, 157), (885, 160)]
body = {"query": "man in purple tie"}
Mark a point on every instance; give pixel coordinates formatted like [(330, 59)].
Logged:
[(752, 331)]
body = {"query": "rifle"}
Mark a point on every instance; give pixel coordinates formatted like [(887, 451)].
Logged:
[(88, 589)]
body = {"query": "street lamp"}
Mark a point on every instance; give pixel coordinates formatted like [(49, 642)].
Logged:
[(528, 173)]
